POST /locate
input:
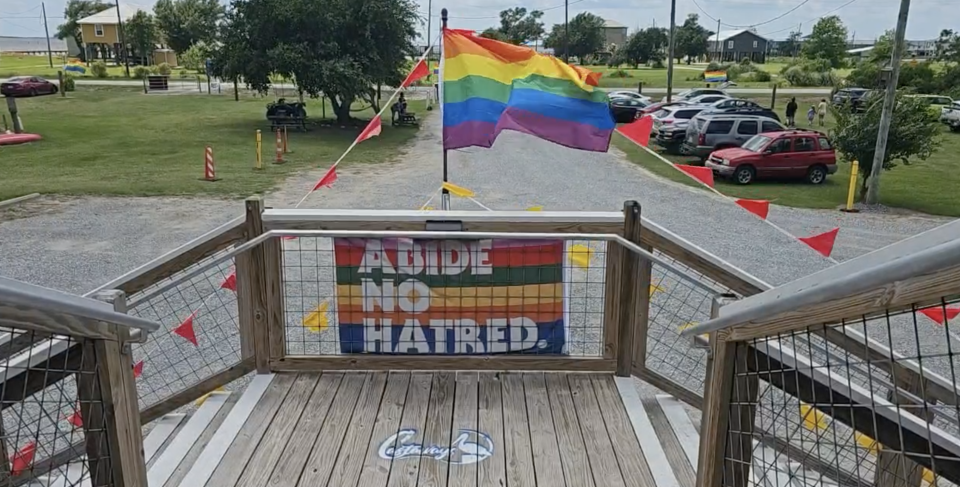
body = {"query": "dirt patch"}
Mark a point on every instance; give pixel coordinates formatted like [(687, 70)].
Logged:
[(42, 205)]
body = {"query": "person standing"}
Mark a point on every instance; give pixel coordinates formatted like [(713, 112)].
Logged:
[(792, 113), (822, 110)]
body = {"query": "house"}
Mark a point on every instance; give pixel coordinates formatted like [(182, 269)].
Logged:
[(614, 33), (735, 45), (100, 33)]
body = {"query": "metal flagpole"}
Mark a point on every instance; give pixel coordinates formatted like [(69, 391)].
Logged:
[(445, 197)]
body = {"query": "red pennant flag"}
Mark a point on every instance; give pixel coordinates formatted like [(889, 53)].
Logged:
[(75, 419), (21, 460), (702, 174), (288, 237), (639, 130), (372, 129), (758, 207), (822, 243), (941, 316), (230, 282), (138, 369), (328, 178), (419, 71), (186, 329)]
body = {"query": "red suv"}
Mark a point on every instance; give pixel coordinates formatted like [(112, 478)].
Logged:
[(793, 154)]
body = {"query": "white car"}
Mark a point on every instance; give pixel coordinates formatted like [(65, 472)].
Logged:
[(629, 94), (712, 100), (696, 92), (951, 116)]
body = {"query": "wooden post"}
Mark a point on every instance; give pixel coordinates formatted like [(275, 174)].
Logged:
[(4, 458), (14, 117), (259, 293), (109, 406), (773, 98), (720, 453), (62, 86), (628, 297)]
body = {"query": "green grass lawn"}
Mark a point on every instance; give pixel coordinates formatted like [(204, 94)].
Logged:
[(119, 142), (683, 77), (924, 186), (17, 65)]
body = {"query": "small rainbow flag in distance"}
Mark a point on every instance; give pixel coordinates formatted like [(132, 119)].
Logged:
[(490, 86), (715, 76)]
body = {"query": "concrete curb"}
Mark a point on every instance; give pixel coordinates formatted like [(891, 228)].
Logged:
[(18, 199)]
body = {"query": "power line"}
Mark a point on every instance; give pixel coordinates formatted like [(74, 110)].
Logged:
[(498, 16), (813, 19), (778, 17)]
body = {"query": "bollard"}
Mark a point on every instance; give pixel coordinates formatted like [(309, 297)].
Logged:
[(640, 88), (279, 159), (259, 152), (285, 150), (209, 169), (854, 169)]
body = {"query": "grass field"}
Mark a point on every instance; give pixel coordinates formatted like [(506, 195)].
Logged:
[(924, 186), (118, 142), (15, 65)]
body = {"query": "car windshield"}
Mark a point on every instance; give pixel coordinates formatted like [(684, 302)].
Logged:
[(661, 113), (18, 79), (756, 143)]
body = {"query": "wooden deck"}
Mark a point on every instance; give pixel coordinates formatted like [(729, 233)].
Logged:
[(436, 429)]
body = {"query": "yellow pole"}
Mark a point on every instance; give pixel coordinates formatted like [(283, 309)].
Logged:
[(259, 146), (854, 167)]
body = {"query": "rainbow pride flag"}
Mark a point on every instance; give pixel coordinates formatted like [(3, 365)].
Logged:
[(715, 76), (405, 296), (490, 86)]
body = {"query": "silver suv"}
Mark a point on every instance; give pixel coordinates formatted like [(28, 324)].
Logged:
[(707, 133)]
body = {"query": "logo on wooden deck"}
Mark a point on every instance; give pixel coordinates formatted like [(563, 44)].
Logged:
[(406, 296), (468, 447)]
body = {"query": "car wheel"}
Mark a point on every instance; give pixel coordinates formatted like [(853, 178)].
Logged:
[(744, 175), (33, 92), (817, 175), (55, 90), (955, 128)]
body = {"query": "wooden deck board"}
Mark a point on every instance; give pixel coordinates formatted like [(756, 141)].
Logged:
[(334, 429)]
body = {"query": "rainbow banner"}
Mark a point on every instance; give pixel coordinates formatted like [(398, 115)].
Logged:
[(490, 86), (715, 76), (405, 296)]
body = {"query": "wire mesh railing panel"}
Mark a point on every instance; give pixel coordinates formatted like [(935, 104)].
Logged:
[(200, 335), (881, 410), (676, 304), (45, 416), (406, 296)]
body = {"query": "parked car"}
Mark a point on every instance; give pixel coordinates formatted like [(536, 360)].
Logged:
[(626, 110), (951, 116), (707, 133), (707, 99), (655, 107), (629, 94), (27, 86), (677, 115), (690, 94), (852, 97), (739, 105), (793, 154), (936, 103)]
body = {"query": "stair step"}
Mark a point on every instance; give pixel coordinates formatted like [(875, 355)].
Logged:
[(175, 452), (202, 442), (210, 458), (682, 426), (646, 435), (159, 434)]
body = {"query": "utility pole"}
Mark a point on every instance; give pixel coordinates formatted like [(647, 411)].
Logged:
[(123, 45), (718, 42), (889, 98), (566, 31), (796, 49), (46, 30), (673, 31), (429, 34)]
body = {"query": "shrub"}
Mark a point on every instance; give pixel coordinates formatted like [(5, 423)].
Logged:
[(154, 70), (919, 76), (164, 69), (658, 64), (620, 73), (140, 72), (798, 76), (759, 75), (745, 61), (99, 69), (69, 83)]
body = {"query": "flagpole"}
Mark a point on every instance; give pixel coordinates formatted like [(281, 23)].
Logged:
[(445, 196)]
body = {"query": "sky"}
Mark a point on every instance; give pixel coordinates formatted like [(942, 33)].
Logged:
[(866, 19)]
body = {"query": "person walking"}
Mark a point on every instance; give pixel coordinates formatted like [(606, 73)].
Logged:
[(792, 113), (812, 112), (822, 110)]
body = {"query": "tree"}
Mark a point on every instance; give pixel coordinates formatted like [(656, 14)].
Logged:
[(691, 39), (140, 32), (914, 134), (827, 41), (644, 46), (74, 11), (882, 50), (519, 27), (791, 46), (339, 49), (186, 22), (586, 36), (948, 47), (494, 33)]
